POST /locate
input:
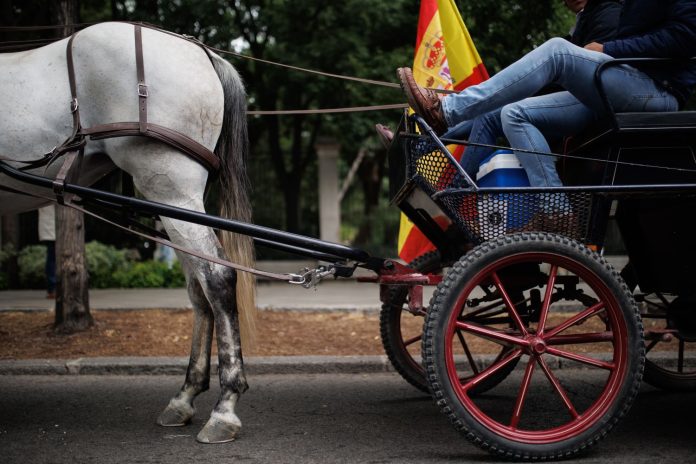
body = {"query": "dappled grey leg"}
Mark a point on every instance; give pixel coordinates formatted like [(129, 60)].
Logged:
[(180, 409), (224, 424)]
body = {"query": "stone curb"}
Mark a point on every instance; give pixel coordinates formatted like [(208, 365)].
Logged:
[(178, 365), (255, 365)]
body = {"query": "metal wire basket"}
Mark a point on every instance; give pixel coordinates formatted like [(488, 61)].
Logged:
[(486, 213)]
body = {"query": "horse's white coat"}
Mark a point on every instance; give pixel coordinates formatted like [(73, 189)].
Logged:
[(185, 95)]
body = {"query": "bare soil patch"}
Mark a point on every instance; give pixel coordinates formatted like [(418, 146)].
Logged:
[(158, 332)]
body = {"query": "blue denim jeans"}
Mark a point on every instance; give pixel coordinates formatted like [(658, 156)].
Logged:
[(526, 120), (484, 129)]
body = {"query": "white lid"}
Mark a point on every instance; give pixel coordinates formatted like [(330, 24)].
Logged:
[(500, 161)]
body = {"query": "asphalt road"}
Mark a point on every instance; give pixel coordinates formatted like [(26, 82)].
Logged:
[(323, 418)]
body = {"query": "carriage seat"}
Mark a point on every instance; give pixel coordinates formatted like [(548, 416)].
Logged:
[(656, 120)]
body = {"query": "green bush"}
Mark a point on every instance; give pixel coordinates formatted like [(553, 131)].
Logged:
[(32, 265), (103, 262), (148, 274), (107, 266)]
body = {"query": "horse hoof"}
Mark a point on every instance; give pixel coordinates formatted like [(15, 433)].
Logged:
[(217, 431), (175, 416)]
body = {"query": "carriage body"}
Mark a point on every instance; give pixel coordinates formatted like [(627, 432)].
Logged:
[(642, 157), (640, 172)]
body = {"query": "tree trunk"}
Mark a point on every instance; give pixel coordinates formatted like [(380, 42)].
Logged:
[(68, 13), (371, 172), (10, 238), (72, 296)]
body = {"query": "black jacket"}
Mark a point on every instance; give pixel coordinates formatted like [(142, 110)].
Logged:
[(597, 22), (664, 29)]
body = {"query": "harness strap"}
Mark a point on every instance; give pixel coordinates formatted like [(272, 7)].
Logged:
[(181, 142), (155, 237), (173, 138), (142, 87), (290, 278), (66, 170), (74, 105)]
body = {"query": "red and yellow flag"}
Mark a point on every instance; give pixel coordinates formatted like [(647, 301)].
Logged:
[(445, 58)]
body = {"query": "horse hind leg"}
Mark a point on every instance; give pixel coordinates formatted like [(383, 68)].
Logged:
[(219, 284), (180, 182), (215, 290), (180, 409)]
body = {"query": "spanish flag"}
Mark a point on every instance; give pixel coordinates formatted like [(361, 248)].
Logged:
[(445, 58)]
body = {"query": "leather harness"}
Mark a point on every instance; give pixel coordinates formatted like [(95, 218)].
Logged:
[(141, 128), (73, 147)]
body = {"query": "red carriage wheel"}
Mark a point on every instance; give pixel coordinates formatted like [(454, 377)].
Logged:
[(670, 341), (670, 336), (401, 338), (586, 318)]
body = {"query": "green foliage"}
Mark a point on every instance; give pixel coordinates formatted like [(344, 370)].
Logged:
[(32, 262), (150, 274), (103, 262), (504, 30), (108, 267), (363, 38)]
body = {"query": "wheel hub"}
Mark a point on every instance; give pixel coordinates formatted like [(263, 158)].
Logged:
[(537, 345)]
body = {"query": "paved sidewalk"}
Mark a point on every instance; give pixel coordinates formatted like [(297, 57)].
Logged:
[(329, 295), (340, 295)]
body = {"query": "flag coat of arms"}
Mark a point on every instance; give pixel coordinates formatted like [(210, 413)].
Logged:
[(445, 58)]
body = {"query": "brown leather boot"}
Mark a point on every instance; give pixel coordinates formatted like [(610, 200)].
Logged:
[(385, 135), (424, 101)]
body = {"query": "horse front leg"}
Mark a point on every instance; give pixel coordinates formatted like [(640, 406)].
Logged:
[(180, 409)]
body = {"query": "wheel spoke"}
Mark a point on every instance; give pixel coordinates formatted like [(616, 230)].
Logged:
[(547, 299), (557, 386), (580, 358), (578, 318), (479, 311), (492, 335), (472, 363), (651, 345), (491, 370), (508, 303), (524, 388), (413, 340), (575, 339)]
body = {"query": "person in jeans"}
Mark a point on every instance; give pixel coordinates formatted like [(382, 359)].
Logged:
[(647, 28), (596, 21), (47, 236)]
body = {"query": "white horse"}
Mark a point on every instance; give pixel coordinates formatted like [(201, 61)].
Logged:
[(190, 91)]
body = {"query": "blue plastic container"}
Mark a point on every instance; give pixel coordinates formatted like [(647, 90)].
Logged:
[(502, 213), (501, 169)]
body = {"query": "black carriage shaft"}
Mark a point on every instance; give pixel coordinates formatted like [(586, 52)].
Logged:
[(286, 241)]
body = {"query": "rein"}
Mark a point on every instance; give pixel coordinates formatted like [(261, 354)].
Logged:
[(27, 44), (300, 279)]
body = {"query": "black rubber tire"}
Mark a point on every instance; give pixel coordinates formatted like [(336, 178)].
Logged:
[(410, 368), (668, 380), (654, 374), (390, 325), (624, 314)]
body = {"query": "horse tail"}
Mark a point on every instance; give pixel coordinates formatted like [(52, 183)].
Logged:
[(232, 149)]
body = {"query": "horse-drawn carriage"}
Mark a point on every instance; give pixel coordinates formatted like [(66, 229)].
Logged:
[(534, 294), (522, 295)]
